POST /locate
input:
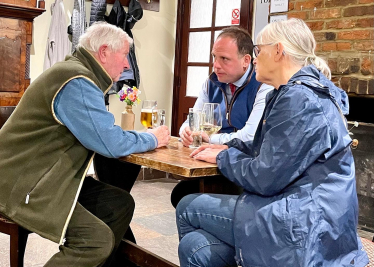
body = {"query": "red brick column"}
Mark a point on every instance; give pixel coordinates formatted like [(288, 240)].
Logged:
[(344, 31)]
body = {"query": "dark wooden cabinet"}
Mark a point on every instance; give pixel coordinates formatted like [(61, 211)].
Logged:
[(16, 19)]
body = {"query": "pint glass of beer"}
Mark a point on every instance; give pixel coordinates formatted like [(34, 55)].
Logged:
[(148, 113)]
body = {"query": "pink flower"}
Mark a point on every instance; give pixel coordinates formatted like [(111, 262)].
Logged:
[(129, 95)]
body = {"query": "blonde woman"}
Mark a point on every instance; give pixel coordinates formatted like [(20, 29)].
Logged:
[(299, 205)]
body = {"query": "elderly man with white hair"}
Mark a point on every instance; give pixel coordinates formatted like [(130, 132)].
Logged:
[(51, 138)]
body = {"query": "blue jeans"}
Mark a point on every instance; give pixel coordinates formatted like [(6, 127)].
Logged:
[(205, 227)]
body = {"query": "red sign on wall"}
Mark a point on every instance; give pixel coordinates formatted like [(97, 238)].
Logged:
[(235, 16)]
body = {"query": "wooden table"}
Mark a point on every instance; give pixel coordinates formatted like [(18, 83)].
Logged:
[(174, 159)]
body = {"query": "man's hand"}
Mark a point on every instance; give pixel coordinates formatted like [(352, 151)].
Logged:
[(205, 137), (186, 136), (162, 134), (208, 153)]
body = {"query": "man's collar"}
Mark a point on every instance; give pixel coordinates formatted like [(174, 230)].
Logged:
[(243, 79), (92, 64)]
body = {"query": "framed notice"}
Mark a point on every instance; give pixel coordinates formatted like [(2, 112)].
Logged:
[(261, 16), (275, 18), (277, 6)]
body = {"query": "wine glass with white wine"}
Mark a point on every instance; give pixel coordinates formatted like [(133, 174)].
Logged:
[(211, 119)]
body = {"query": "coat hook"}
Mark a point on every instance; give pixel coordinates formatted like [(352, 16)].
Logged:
[(301, 8), (314, 11)]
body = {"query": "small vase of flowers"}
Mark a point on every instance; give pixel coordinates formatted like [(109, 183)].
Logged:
[(129, 95)]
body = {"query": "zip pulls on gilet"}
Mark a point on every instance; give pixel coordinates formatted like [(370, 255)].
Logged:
[(236, 93), (234, 96), (28, 193)]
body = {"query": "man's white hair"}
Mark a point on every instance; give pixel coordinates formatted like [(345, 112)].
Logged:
[(298, 42), (102, 33)]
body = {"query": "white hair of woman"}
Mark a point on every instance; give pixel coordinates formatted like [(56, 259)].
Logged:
[(102, 33), (298, 42)]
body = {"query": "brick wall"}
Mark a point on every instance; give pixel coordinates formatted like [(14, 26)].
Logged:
[(344, 31)]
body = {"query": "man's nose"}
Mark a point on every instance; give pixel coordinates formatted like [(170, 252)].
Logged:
[(216, 65)]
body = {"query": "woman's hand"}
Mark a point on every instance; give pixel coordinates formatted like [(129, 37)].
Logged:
[(208, 153)]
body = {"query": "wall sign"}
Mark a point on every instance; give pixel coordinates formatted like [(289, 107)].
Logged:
[(235, 16), (277, 6), (261, 16), (277, 18)]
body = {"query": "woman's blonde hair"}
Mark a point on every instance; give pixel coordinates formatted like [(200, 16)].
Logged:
[(102, 33), (298, 42)]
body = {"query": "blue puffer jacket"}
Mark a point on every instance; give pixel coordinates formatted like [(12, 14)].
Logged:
[(299, 206)]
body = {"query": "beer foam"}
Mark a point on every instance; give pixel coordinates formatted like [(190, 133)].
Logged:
[(147, 110)]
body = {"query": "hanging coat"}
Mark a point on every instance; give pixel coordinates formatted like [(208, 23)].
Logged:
[(126, 21), (98, 8), (58, 44), (78, 22), (299, 206)]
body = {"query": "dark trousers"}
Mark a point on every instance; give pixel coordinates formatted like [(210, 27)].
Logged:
[(97, 225), (119, 174)]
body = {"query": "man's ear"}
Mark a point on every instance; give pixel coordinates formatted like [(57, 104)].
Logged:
[(280, 52), (247, 61), (103, 53)]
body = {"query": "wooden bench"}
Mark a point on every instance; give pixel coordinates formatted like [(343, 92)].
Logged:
[(18, 239)]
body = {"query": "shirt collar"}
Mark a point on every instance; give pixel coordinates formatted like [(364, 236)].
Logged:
[(243, 79)]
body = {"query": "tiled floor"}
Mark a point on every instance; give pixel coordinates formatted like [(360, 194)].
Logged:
[(153, 225)]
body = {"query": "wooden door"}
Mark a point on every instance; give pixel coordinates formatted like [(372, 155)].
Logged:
[(198, 24)]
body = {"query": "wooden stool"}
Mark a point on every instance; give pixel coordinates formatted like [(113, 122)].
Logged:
[(18, 239), (369, 248)]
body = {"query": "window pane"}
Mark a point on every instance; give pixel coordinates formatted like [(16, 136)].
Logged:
[(224, 11), (196, 76), (216, 33), (199, 47), (201, 13)]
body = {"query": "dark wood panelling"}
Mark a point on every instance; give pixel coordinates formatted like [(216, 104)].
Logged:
[(19, 12), (16, 19)]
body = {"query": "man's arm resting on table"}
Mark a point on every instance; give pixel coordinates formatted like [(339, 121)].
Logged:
[(80, 107)]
